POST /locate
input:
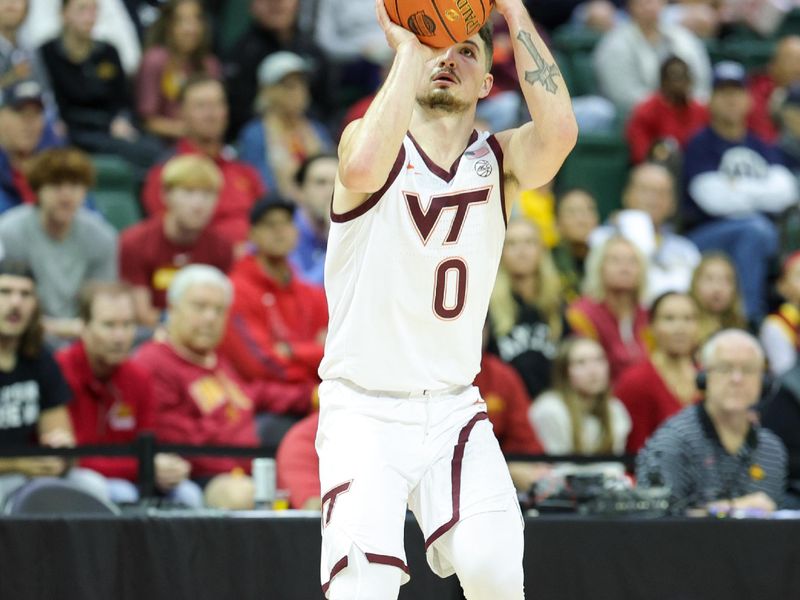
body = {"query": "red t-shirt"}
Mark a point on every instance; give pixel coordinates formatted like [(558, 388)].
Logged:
[(198, 405), (507, 403), (297, 463), (649, 402), (265, 313), (148, 259), (111, 411), (241, 187), (656, 118)]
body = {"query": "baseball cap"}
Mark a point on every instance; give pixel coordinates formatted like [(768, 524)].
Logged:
[(268, 203), (280, 64), (20, 93), (729, 73)]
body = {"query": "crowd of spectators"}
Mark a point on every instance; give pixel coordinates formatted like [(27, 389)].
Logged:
[(205, 322)]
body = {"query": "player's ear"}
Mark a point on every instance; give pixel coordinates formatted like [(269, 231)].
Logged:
[(486, 86)]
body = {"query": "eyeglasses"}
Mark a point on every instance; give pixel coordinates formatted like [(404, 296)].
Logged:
[(745, 370)]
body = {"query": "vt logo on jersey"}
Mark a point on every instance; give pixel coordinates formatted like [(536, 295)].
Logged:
[(425, 221)]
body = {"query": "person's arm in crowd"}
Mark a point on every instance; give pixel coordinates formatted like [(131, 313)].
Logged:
[(297, 464), (535, 151), (780, 349), (279, 397), (721, 195)]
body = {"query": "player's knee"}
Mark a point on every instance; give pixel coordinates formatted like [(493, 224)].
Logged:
[(231, 492), (491, 578), (364, 580)]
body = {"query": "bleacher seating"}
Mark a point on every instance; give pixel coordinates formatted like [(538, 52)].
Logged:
[(115, 191)]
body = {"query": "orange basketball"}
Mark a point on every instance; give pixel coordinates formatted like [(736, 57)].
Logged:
[(440, 23)]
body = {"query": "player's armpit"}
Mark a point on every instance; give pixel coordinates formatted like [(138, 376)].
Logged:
[(529, 158)]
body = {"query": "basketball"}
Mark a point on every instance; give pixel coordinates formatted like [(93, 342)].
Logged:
[(440, 23)]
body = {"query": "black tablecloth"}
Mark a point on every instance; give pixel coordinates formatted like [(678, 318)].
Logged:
[(154, 558)]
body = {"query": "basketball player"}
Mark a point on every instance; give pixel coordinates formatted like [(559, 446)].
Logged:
[(419, 213)]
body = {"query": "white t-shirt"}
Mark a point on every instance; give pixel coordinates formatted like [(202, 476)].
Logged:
[(550, 419)]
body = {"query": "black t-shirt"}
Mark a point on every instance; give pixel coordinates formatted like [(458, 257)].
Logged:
[(35, 385), (528, 348)]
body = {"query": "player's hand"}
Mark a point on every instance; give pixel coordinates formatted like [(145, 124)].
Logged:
[(397, 36), (505, 7)]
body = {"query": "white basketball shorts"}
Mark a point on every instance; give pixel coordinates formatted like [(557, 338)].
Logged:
[(434, 452)]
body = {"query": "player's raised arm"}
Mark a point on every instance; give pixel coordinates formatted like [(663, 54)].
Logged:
[(370, 145), (535, 152)]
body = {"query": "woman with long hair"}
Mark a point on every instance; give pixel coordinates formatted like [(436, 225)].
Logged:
[(665, 383), (525, 310), (178, 46), (715, 288), (610, 310), (579, 415)]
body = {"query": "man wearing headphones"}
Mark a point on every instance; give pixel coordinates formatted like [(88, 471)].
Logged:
[(713, 455)]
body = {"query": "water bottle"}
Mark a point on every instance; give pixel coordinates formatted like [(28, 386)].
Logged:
[(264, 482)]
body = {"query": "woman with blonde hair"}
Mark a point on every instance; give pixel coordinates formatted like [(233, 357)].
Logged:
[(715, 288), (579, 415), (610, 310), (525, 310)]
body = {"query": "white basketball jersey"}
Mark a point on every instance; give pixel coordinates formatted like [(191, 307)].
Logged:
[(408, 274)]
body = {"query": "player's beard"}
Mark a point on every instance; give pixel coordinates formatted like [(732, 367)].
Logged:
[(441, 100)]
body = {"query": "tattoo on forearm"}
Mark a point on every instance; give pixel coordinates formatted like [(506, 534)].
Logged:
[(544, 73)]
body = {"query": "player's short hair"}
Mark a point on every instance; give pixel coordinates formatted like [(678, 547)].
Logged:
[(486, 33), (61, 165), (191, 171), (198, 275)]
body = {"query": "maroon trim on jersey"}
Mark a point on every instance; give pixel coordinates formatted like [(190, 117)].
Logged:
[(447, 176), (337, 568), (391, 561), (498, 152), (373, 199), (455, 478)]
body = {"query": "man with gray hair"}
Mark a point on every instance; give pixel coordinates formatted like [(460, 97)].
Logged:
[(201, 398), (712, 455)]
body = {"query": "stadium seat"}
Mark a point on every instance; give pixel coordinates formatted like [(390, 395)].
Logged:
[(599, 163), (50, 495), (235, 19), (115, 191)]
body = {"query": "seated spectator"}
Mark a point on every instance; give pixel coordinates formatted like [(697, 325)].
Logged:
[(713, 455), (204, 111), (65, 244), (627, 59), (661, 386), (22, 134), (18, 61), (733, 182), (278, 323), (780, 331), (273, 28), (780, 413), (715, 288), (649, 201), (525, 309), (200, 397), (178, 47), (33, 393), (283, 136), (576, 217), (91, 90), (671, 112), (112, 399), (579, 415), (315, 180), (788, 119), (610, 311), (766, 88), (506, 403), (113, 25), (151, 252)]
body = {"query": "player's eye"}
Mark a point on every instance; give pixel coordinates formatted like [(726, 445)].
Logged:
[(468, 52)]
